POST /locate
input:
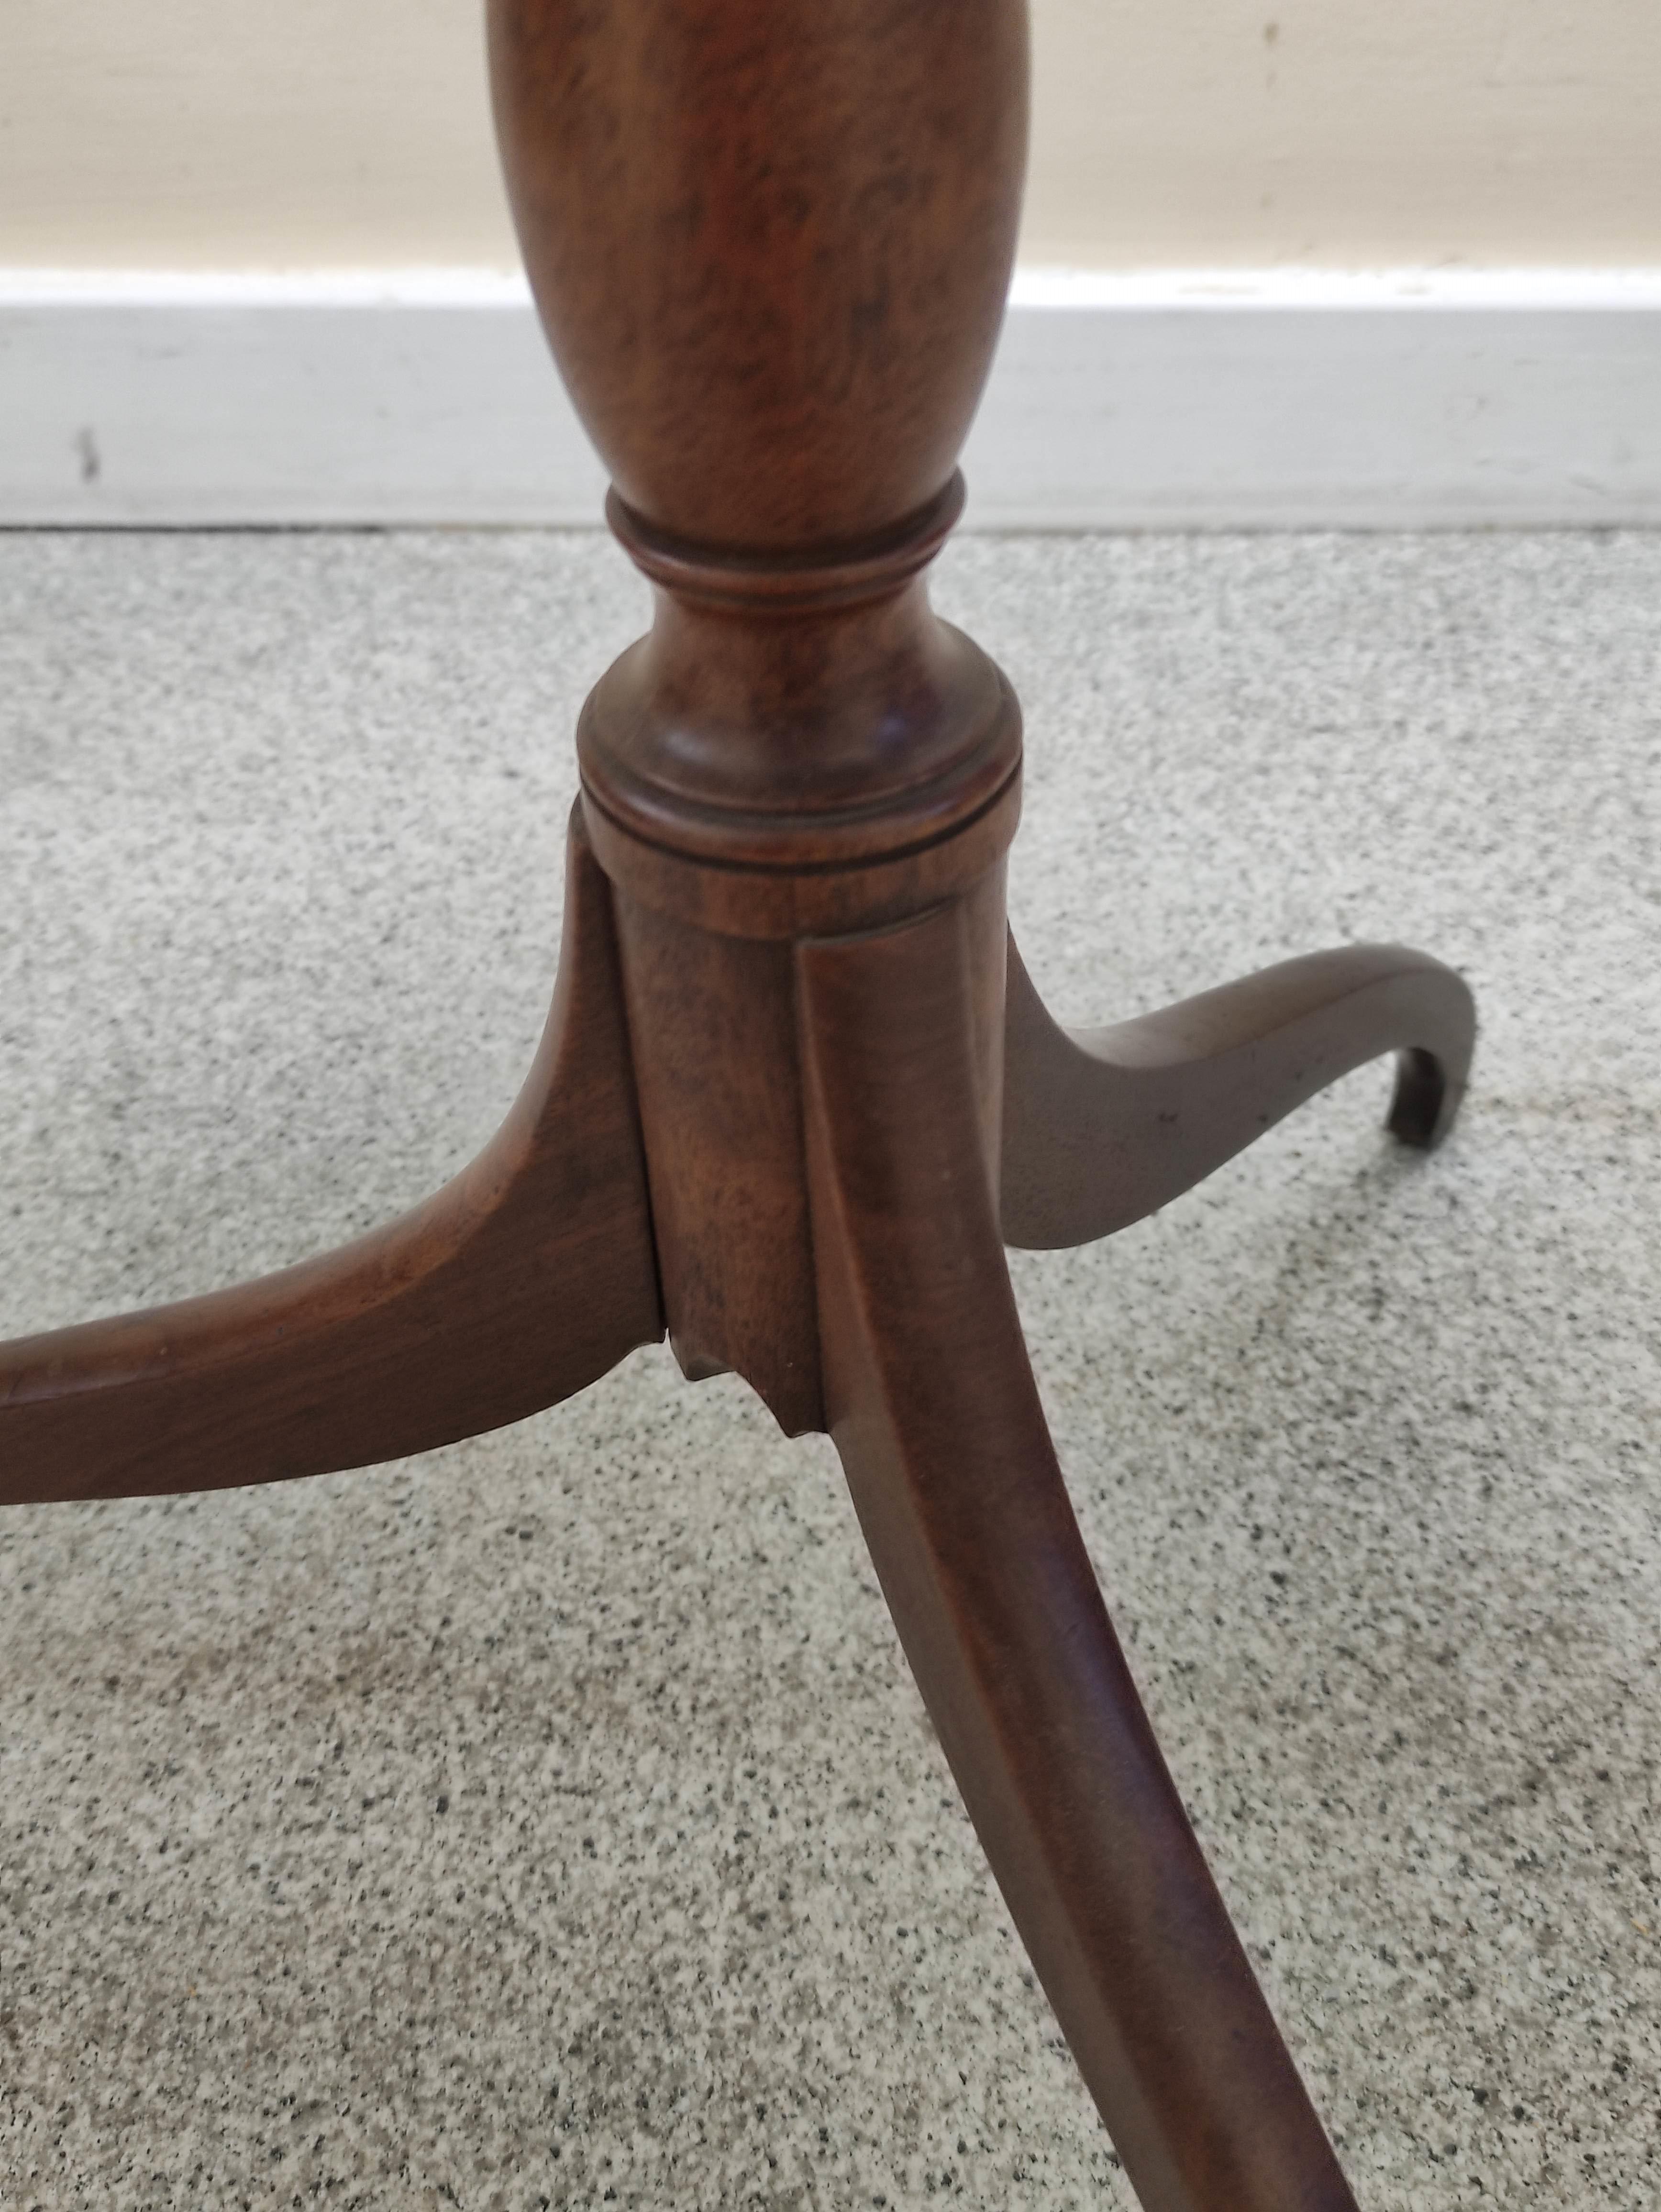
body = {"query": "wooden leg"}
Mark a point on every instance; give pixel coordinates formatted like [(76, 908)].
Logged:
[(521, 1281), (933, 1410), (1103, 1125)]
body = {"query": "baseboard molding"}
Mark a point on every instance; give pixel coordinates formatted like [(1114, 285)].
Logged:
[(1177, 400)]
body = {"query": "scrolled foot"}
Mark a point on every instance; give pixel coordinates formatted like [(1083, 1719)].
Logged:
[(521, 1281), (1103, 1126)]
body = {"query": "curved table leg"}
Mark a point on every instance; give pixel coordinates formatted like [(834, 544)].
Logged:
[(1103, 1125), (522, 1280), (955, 1481)]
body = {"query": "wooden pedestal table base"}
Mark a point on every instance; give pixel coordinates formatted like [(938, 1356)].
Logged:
[(796, 1090), (534, 1272)]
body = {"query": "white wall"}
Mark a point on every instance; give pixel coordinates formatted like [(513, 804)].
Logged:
[(1351, 133), (1331, 262), (341, 133)]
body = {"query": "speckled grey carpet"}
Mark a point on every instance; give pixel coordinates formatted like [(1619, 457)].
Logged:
[(550, 1821)]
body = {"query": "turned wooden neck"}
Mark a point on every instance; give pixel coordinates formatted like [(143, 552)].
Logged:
[(770, 241), (793, 737)]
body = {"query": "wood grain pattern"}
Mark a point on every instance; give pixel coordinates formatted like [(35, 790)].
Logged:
[(713, 1019), (770, 243), (934, 1411), (521, 1281), (1103, 1126)]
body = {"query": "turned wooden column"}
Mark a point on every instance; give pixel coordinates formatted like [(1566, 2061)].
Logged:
[(770, 241), (770, 245)]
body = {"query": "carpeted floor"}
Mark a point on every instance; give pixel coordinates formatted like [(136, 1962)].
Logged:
[(550, 1822)]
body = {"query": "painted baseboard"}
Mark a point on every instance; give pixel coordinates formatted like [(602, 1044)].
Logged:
[(1177, 399)]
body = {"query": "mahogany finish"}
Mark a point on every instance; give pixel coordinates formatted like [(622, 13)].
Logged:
[(770, 242), (1103, 1126), (935, 1414), (525, 1278), (783, 1108)]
